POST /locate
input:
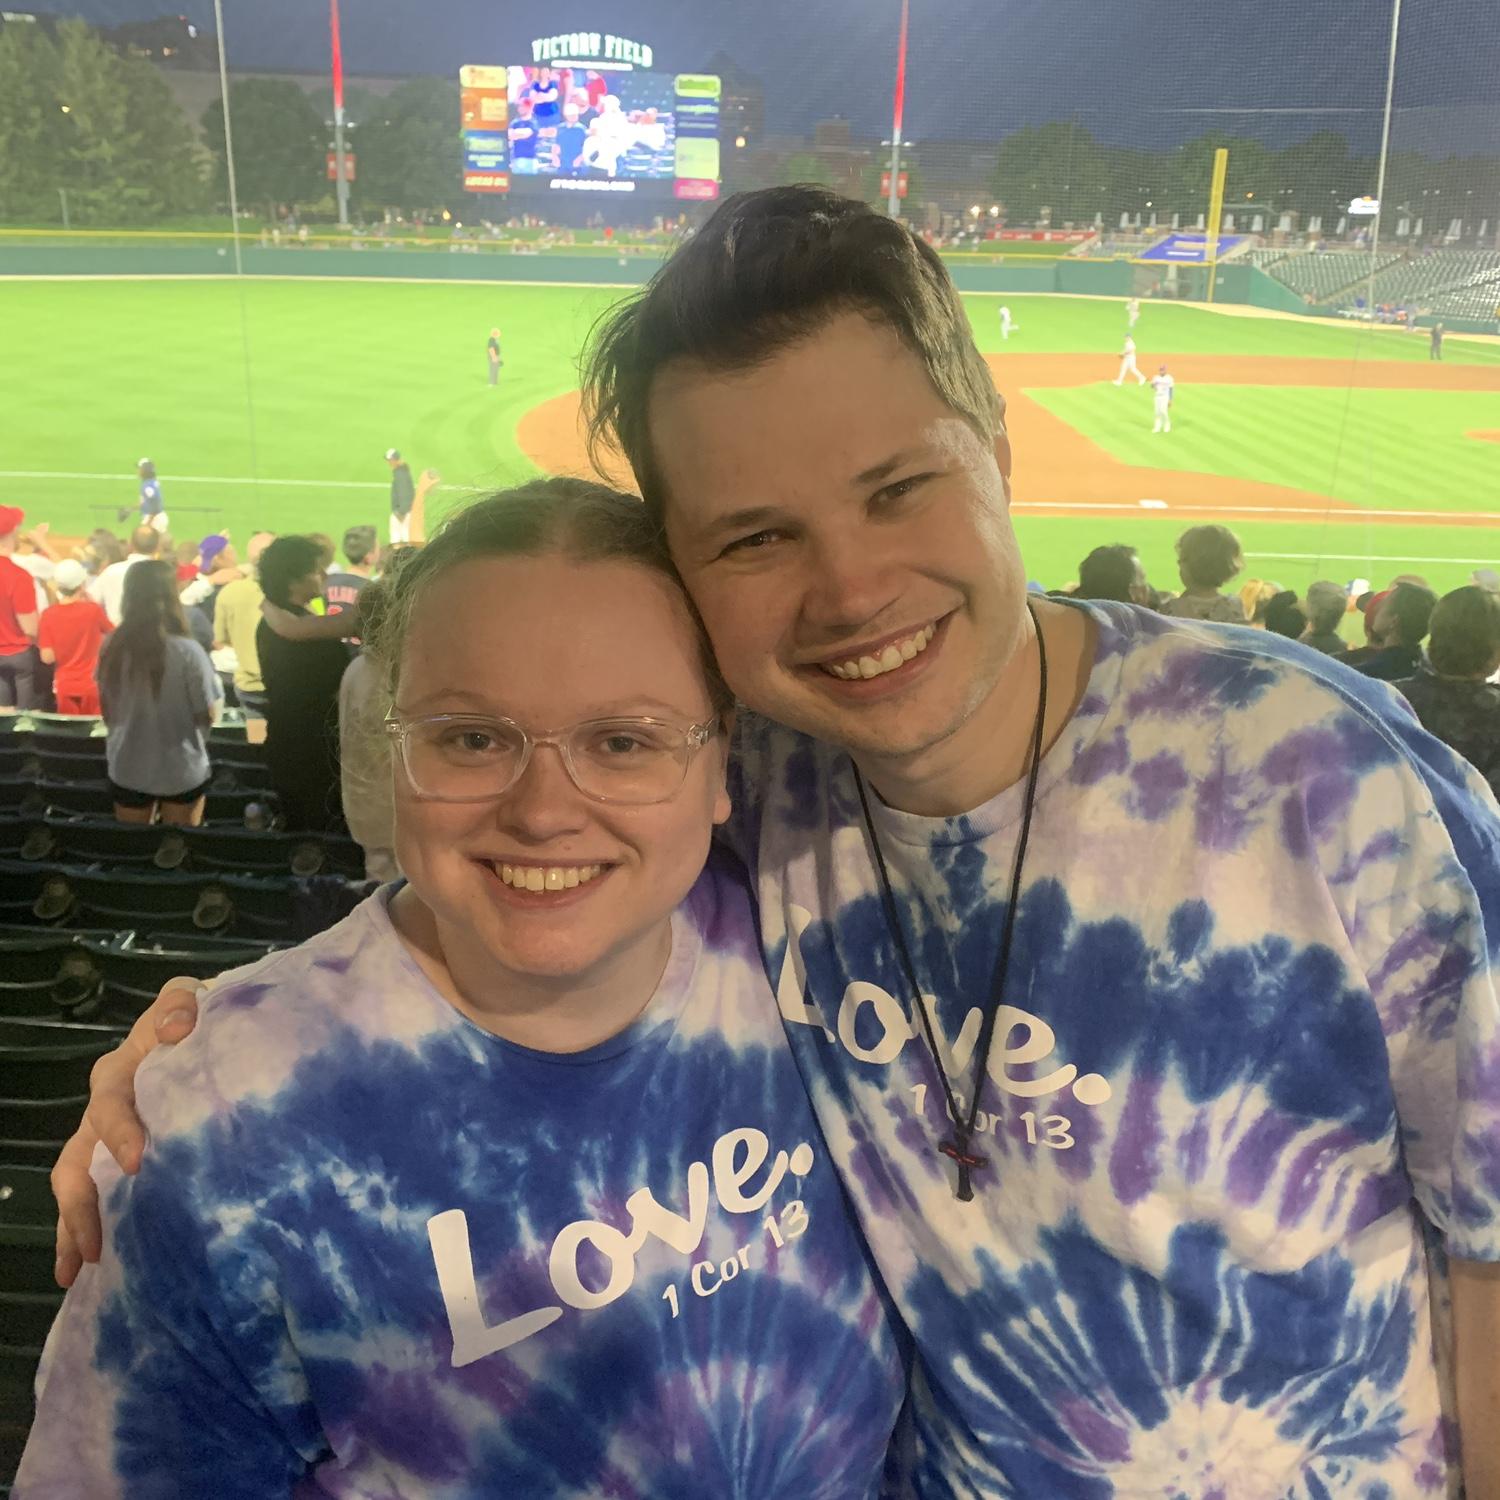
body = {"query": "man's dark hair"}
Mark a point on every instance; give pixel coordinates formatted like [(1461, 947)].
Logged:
[(1285, 616), (360, 545), (1410, 607), (1465, 633), (767, 269), (1108, 573), (286, 560), (1210, 556)]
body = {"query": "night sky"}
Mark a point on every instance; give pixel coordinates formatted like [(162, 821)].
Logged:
[(1135, 71)]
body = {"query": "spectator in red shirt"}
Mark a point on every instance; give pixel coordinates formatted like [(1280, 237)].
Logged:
[(18, 618), (70, 635)]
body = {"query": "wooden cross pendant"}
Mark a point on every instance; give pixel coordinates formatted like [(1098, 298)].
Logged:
[(967, 1162)]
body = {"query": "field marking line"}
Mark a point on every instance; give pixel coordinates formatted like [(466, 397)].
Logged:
[(333, 484), (606, 286), (1487, 562), (306, 484), (1365, 513)]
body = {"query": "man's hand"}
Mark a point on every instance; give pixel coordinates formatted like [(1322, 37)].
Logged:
[(111, 1118)]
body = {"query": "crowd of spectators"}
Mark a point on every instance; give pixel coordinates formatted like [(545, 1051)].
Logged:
[(156, 638), (1442, 655), (158, 647)]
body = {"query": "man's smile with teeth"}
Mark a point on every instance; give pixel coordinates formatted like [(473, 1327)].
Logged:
[(897, 654)]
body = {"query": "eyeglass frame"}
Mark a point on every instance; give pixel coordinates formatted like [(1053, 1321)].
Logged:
[(695, 737)]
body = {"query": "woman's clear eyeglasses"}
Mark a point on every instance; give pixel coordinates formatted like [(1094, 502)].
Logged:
[(469, 758)]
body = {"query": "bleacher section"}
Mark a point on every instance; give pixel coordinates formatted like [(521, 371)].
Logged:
[(1461, 278), (1321, 275), (1263, 258), (95, 916)]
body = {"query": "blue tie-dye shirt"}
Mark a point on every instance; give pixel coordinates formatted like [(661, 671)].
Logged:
[(1248, 1055), (377, 1251)]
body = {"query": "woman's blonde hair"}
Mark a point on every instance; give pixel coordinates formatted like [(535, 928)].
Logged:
[(573, 518)]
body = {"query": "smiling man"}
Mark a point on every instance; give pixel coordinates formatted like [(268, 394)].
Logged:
[(1141, 971)]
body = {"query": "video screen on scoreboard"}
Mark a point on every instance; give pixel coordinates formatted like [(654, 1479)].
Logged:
[(573, 128)]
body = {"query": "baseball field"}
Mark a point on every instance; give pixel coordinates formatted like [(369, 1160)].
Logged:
[(1334, 451)]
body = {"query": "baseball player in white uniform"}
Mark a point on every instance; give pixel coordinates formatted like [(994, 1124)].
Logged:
[(1162, 384), (1132, 312), (1128, 365), (1006, 325)]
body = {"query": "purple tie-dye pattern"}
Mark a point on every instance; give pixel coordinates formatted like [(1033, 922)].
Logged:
[(1105, 757), (271, 1318), (1226, 805), (1107, 1441), (248, 997), (1157, 786), (1261, 925), (1255, 1159), (1307, 1172), (1192, 1148), (1134, 1163)]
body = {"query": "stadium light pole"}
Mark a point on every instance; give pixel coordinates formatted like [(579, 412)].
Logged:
[(234, 198), (1385, 147), (899, 103), (341, 180)]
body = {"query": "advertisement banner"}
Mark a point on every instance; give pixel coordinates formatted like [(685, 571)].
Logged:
[(696, 105), (1190, 249), (1048, 236), (482, 95)]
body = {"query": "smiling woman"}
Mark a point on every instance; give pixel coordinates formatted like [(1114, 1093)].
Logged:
[(520, 1143)]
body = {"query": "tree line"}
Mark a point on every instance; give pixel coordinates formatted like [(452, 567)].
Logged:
[(1062, 168), (78, 116)]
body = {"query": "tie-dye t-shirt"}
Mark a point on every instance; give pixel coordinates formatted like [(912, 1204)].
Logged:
[(1248, 1052), (377, 1251)]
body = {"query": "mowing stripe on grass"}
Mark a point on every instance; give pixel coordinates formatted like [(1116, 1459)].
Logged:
[(1468, 562)]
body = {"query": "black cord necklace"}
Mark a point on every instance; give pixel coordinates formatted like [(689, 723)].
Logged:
[(960, 1147)]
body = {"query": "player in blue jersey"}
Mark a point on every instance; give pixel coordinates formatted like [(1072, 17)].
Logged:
[(150, 507), (539, 1206), (1141, 971)]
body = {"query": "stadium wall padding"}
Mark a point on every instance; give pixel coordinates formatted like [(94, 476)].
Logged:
[(1110, 278), (218, 260)]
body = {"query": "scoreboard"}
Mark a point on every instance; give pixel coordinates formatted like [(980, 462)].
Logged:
[(597, 124)]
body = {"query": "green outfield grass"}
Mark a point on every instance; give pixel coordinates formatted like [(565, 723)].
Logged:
[(269, 403), (1078, 325), (1390, 450)]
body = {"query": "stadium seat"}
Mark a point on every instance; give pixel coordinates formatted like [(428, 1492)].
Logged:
[(74, 726), (47, 976), (272, 853), (87, 841), (58, 895), (27, 1232), (236, 751), (133, 971), (91, 799), (18, 757), (56, 765), (19, 796), (44, 1076), (68, 742)]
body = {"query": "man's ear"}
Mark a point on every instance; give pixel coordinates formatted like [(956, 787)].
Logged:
[(722, 805)]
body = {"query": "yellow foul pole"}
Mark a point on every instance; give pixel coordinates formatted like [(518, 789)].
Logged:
[(1215, 214)]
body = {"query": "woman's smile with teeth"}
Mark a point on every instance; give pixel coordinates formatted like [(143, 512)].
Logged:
[(897, 654), (545, 877)]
